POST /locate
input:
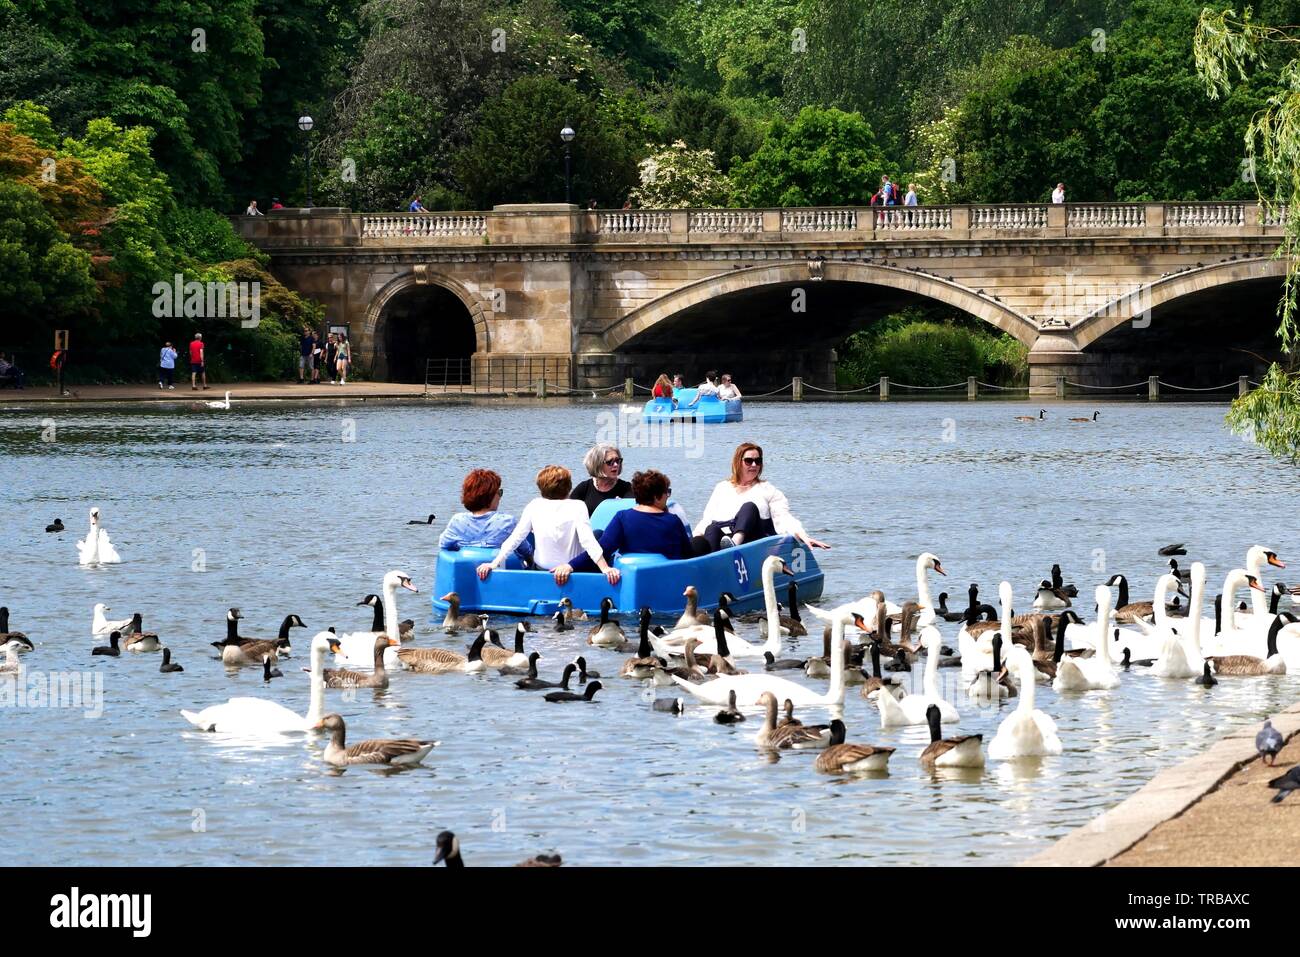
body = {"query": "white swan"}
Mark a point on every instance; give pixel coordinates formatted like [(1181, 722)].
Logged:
[(1239, 634), (1257, 556), (748, 688), (101, 627), (358, 647), (220, 405), (975, 642), (262, 718), (1096, 673), (911, 710), (674, 643), (1025, 732), (95, 548), (1180, 655), (866, 607)]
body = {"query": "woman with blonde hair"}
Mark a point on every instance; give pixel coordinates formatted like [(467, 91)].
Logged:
[(561, 530), (604, 463), (663, 387), (747, 507)]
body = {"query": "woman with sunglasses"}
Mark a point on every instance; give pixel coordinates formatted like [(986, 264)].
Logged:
[(604, 463), (481, 525), (746, 507)]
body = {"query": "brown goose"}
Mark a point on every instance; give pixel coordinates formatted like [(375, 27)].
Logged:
[(454, 623), (965, 751), (840, 757), (874, 684), (399, 752), (788, 735), (139, 639), (342, 678), (692, 670), (571, 613), (1249, 665), (503, 659), (643, 663), (692, 615), (7, 636), (441, 661)]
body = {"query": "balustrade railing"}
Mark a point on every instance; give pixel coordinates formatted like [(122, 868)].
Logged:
[(914, 218), (1106, 216), (726, 221), (634, 221), (1008, 217), (1205, 214), (449, 225), (817, 220)]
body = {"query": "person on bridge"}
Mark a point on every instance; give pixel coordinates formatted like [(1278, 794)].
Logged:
[(252, 209), (727, 390), (481, 525), (663, 388), (604, 463), (910, 199), (746, 507), (416, 206), (1058, 194), (647, 526), (561, 530)]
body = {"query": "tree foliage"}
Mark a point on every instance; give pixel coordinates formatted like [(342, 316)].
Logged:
[(676, 177)]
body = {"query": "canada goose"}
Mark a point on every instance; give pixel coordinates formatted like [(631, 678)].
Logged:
[(1058, 582), (965, 751), (730, 714), (239, 651), (416, 521), (1032, 418), (1207, 680), (791, 625), (342, 678), (111, 649), (401, 752), (532, 683), (774, 736), (606, 634), (56, 527), (992, 684), (1048, 597), (1127, 661), (560, 624), (1178, 549), (454, 622), (1286, 783), (6, 636), (140, 640), (405, 628), (1085, 418), (1127, 612), (1268, 743), (692, 614), (783, 664), (565, 696), (503, 659), (876, 682), (573, 614), (167, 667), (267, 671), (692, 669), (840, 757), (641, 665), (448, 852), (440, 661), (583, 674), (1249, 665), (720, 661), (671, 705)]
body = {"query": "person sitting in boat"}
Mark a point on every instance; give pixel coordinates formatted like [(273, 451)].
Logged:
[(561, 530), (709, 387), (663, 388), (647, 526), (727, 389), (746, 507), (481, 525), (604, 463)]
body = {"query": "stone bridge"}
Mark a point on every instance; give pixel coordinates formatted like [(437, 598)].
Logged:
[(1102, 293)]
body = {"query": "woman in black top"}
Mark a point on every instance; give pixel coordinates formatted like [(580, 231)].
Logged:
[(604, 464)]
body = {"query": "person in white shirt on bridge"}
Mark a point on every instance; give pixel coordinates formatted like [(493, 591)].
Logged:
[(727, 390), (561, 530), (1058, 194), (745, 507)]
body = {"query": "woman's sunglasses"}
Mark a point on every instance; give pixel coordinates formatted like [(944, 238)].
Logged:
[(612, 462), (753, 461)]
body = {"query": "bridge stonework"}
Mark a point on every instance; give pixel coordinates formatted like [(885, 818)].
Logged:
[(603, 294)]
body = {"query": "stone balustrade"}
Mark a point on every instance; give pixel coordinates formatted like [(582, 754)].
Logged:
[(424, 225)]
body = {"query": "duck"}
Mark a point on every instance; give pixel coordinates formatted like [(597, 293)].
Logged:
[(1207, 679), (1031, 418), (111, 649), (261, 718), (1026, 731), (168, 666), (219, 403), (441, 661), (17, 637), (670, 705), (95, 548), (1127, 661), (1096, 673), (876, 683), (394, 752), (405, 628), (357, 647), (607, 633), (641, 665), (994, 684), (532, 667), (572, 613), (840, 758), (534, 683), (56, 526), (588, 695), (692, 614), (964, 751), (448, 852), (454, 622), (504, 660), (1268, 742), (560, 624), (911, 709), (730, 714), (1085, 418), (267, 671), (583, 674), (785, 736), (422, 521), (1250, 665), (102, 626), (342, 678), (137, 639)]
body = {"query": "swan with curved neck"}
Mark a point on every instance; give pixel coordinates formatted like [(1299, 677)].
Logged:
[(675, 642), (1026, 731), (1178, 653), (358, 647), (261, 718), (866, 607), (912, 709), (750, 687), (1257, 556), (95, 548), (1091, 674)]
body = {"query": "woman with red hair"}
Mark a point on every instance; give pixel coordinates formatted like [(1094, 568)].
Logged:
[(481, 525)]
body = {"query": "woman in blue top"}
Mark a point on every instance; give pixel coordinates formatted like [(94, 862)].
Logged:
[(482, 526), (646, 527)]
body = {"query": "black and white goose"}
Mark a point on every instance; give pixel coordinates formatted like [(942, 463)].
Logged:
[(641, 665), (406, 628), (840, 757), (607, 633), (21, 640), (448, 853), (140, 640), (505, 660)]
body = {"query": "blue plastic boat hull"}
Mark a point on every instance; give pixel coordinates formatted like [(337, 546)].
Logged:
[(679, 409), (649, 581)]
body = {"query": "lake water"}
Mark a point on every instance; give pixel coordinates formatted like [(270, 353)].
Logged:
[(283, 514)]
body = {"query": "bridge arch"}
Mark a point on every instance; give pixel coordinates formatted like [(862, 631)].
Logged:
[(398, 335), (801, 272)]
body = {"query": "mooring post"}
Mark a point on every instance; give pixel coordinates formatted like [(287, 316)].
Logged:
[(884, 388), (541, 388), (1153, 387), (796, 389), (972, 389), (1060, 387), (1243, 385), (627, 388)]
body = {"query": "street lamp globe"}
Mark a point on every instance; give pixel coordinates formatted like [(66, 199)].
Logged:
[(567, 134), (305, 123)]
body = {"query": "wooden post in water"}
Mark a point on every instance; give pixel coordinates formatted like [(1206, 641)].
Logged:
[(972, 389), (1243, 385), (627, 388), (884, 388), (1153, 388), (1060, 387), (796, 388), (541, 388)]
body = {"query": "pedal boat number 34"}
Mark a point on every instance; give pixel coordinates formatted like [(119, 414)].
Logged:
[(648, 581)]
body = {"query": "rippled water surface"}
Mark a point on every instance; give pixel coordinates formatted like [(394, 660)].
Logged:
[(291, 518)]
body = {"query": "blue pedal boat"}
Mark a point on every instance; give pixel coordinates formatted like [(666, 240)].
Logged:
[(649, 581), (683, 407)]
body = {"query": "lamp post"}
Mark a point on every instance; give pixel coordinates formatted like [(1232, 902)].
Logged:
[(305, 123), (567, 134)]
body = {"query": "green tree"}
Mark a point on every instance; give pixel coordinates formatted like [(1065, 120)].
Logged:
[(822, 158), (706, 121), (43, 277), (675, 177)]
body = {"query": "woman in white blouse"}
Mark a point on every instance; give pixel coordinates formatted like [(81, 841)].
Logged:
[(745, 507), (561, 530)]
